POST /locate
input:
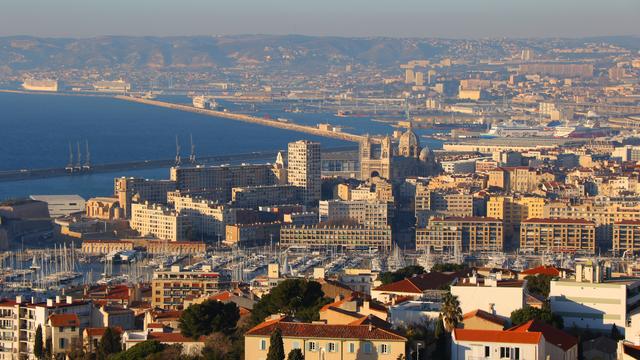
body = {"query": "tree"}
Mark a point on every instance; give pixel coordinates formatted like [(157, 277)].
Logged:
[(400, 274), (140, 351), (450, 311), (544, 314), (38, 347), (217, 346), (295, 354), (210, 316), (109, 344), (441, 349), (276, 346), (293, 297), (539, 284), (47, 348)]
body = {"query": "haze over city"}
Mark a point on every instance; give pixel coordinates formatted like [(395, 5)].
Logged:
[(361, 18)]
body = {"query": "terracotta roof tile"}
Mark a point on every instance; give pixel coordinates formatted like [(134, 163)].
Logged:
[(324, 331), (485, 316), (542, 270), (497, 336), (64, 320), (552, 335)]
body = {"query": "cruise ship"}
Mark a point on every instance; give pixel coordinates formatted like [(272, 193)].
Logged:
[(40, 85), (204, 102)]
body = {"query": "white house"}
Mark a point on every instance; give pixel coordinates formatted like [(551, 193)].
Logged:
[(491, 294), (594, 299)]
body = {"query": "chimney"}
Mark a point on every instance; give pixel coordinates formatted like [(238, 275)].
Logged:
[(58, 299), (49, 302), (19, 299), (69, 300), (338, 298), (365, 305)]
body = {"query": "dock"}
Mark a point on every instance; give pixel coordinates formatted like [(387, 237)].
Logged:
[(250, 119)]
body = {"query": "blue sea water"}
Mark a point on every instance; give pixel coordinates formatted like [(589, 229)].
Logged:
[(36, 129)]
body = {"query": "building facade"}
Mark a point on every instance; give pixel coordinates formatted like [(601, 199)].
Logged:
[(304, 169)]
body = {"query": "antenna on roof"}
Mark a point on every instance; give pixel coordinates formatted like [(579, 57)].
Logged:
[(178, 160)]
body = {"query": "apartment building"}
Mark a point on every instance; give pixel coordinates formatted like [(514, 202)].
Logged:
[(324, 341), (252, 234), (594, 299), (206, 217), (492, 294), (431, 202), (520, 179), (265, 195), (304, 169), (222, 178), (626, 236), (465, 234), (539, 235), (159, 221), (347, 236), (373, 214), (153, 191), (170, 288)]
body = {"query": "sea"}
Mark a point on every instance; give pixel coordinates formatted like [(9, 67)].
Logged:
[(37, 130)]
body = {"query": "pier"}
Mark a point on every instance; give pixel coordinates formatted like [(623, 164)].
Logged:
[(250, 119), (27, 174)]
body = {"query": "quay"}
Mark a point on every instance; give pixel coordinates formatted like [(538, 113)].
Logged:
[(27, 174), (250, 119)]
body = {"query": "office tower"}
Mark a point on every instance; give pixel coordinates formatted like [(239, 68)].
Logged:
[(304, 169)]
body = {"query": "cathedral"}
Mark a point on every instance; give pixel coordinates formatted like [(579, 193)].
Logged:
[(386, 160)]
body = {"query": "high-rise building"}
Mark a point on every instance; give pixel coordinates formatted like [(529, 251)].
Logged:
[(130, 189), (304, 169), (558, 235), (158, 221)]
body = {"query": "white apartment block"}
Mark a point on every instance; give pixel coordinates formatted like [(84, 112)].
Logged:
[(304, 169), (206, 217), (593, 299), (492, 294), (158, 221)]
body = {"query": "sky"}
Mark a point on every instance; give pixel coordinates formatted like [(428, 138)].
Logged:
[(358, 18)]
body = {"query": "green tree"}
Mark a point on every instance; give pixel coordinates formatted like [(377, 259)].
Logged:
[(400, 274), (450, 311), (210, 316), (539, 284), (544, 314), (140, 351), (441, 335), (276, 346), (109, 344), (38, 346), (47, 348), (295, 354), (294, 297)]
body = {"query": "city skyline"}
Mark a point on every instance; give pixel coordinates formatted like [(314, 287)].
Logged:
[(409, 18)]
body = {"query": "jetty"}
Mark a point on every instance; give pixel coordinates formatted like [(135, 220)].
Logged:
[(250, 119)]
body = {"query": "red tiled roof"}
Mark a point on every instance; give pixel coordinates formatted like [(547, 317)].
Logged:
[(542, 270), (485, 316), (99, 331), (552, 335), (627, 222), (497, 336), (324, 331), (64, 320), (418, 284)]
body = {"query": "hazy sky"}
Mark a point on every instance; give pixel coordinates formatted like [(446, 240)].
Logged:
[(422, 18)]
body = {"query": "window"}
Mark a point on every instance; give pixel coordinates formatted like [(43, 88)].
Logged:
[(352, 347), (367, 347), (331, 347), (384, 349), (263, 344), (516, 354), (487, 351), (312, 346), (62, 343), (505, 352)]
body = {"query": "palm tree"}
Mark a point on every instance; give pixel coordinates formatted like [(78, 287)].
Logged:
[(451, 312)]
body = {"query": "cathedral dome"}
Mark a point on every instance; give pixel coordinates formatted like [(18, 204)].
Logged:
[(409, 144), (425, 154)]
